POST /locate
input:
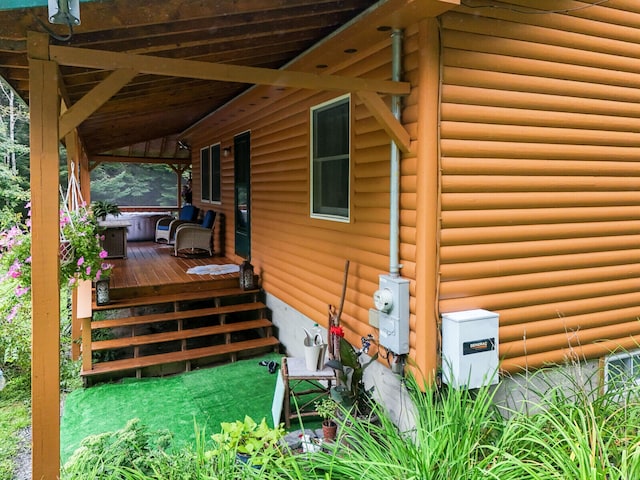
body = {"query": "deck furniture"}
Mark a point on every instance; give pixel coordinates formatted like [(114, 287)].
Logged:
[(307, 385), (193, 238), (115, 237), (166, 227)]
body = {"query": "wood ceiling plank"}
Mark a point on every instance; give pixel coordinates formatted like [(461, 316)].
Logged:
[(88, 104), (181, 30), (99, 59)]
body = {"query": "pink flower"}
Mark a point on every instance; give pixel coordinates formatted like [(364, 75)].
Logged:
[(72, 281), (20, 291), (98, 274), (80, 261), (12, 313), (104, 254), (88, 270), (28, 259)]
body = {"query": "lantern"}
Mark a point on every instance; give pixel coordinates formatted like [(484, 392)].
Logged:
[(246, 276), (102, 291)]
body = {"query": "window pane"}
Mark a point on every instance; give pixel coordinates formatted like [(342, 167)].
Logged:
[(332, 130), (205, 180), (215, 173), (331, 160)]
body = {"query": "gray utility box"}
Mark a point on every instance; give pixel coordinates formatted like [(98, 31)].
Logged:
[(470, 348)]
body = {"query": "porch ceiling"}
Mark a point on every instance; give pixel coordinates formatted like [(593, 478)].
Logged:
[(256, 33)]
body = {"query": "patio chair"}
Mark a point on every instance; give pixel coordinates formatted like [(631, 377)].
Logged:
[(193, 238), (166, 226)]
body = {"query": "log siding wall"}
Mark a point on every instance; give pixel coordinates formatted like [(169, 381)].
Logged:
[(540, 170), (301, 259)]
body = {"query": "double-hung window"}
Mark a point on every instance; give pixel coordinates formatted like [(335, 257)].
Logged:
[(210, 173), (330, 159)]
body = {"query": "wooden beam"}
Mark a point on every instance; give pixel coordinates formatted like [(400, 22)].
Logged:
[(154, 160), (427, 204), (93, 100), (146, 64), (385, 117), (45, 283)]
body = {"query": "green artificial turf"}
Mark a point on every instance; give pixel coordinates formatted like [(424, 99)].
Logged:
[(204, 397)]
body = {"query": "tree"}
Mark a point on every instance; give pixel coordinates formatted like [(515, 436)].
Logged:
[(14, 152), (14, 121)]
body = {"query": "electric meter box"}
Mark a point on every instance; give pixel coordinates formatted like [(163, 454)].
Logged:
[(470, 348)]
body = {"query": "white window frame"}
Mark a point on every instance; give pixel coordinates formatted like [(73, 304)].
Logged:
[(206, 184), (337, 217)]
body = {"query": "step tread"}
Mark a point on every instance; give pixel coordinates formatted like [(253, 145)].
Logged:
[(171, 357), (181, 314), (180, 334), (186, 296)]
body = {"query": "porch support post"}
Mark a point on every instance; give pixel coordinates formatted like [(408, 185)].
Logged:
[(427, 204), (45, 285)]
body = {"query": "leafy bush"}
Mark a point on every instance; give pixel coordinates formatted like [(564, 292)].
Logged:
[(101, 456)]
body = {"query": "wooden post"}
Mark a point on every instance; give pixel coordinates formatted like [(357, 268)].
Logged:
[(45, 291), (427, 211)]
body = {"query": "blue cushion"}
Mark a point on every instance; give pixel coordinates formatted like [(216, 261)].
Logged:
[(163, 227), (188, 213), (209, 217)]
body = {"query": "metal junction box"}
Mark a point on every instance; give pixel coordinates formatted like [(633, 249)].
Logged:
[(470, 348)]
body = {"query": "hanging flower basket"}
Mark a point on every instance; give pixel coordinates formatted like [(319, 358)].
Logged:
[(67, 252)]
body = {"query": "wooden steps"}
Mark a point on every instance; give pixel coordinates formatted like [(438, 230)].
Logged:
[(150, 333), (172, 357), (182, 314), (175, 335), (142, 300)]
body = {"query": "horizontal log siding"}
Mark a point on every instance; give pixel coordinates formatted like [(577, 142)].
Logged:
[(300, 259), (540, 177)]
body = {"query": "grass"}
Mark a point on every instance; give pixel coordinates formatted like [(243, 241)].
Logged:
[(206, 397), (14, 416)]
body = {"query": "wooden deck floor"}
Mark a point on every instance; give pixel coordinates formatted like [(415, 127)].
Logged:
[(150, 264)]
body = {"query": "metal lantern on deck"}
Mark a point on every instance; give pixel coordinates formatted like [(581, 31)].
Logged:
[(102, 291), (246, 276)]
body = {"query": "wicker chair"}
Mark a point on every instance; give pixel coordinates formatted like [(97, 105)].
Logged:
[(194, 238), (166, 226)]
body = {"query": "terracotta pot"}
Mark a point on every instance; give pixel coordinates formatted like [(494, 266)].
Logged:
[(329, 429)]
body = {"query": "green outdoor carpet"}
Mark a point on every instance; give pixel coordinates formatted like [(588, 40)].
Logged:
[(204, 397)]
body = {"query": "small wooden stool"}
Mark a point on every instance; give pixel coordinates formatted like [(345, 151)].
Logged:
[(294, 373)]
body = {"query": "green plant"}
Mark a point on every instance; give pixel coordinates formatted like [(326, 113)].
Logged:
[(102, 208), (103, 455), (351, 390), (326, 408), (247, 437)]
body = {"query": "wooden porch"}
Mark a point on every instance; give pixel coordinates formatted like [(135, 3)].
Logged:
[(161, 320)]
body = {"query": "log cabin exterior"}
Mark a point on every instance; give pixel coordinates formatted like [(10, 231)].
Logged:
[(518, 175)]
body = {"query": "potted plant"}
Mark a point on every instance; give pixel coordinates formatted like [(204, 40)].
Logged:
[(102, 208), (253, 443), (326, 408)]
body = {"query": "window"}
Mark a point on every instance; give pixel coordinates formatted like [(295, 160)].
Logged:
[(330, 159), (622, 371), (210, 173)]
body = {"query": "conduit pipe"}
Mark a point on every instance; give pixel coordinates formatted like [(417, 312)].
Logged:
[(394, 201)]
